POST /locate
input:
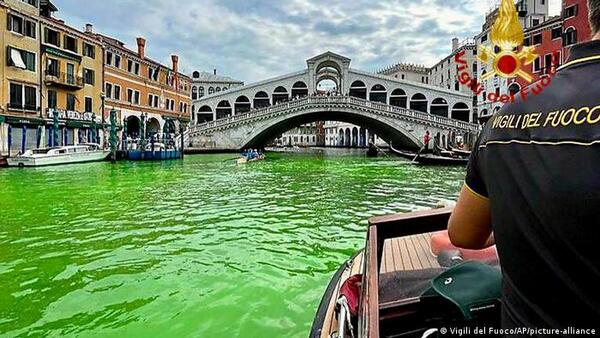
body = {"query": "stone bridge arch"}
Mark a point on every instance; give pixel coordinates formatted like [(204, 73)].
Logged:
[(386, 128)]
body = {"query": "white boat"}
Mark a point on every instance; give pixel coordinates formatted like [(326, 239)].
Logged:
[(87, 152)]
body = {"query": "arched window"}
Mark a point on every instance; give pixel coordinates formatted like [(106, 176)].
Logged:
[(196, 74), (242, 105), (299, 89), (378, 94), (439, 107), (261, 100), (514, 88), (211, 90), (280, 94), (225, 88), (218, 89), (570, 37), (419, 102), (398, 98), (200, 92), (461, 111), (194, 93), (358, 89)]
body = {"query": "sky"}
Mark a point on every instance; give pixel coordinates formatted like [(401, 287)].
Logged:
[(253, 40)]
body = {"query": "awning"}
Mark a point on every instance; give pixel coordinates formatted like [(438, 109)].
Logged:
[(81, 124), (23, 120), (17, 59)]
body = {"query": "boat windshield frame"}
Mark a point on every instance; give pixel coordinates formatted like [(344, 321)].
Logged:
[(381, 229)]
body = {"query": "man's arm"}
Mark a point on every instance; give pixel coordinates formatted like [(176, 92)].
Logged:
[(470, 225)]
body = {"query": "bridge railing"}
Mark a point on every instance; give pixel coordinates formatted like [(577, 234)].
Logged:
[(336, 100)]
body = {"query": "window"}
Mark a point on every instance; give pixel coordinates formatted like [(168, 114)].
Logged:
[(109, 58), (71, 43), (89, 106), (89, 50), (153, 100), (211, 90), (52, 99), (30, 29), (23, 97), (15, 24), (52, 37), (117, 93), (89, 76), (21, 59), (570, 12), (535, 22), (108, 89), (53, 67), (71, 102), (117, 61), (537, 65), (33, 3), (537, 39), (570, 37), (194, 93), (484, 38), (133, 67), (527, 42), (556, 33), (133, 96)]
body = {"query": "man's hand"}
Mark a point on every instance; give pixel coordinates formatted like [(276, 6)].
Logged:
[(470, 225)]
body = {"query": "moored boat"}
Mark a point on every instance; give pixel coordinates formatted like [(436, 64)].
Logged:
[(408, 282), (87, 152)]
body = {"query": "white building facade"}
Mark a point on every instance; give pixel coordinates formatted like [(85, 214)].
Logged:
[(205, 83)]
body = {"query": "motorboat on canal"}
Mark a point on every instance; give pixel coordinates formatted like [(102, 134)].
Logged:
[(250, 157), (430, 159), (86, 152), (409, 281)]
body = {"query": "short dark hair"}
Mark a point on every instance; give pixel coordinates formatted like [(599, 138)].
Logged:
[(594, 8)]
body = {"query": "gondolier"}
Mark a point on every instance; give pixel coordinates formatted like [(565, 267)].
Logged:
[(535, 182)]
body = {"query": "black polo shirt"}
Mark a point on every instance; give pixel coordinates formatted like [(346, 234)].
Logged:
[(538, 162)]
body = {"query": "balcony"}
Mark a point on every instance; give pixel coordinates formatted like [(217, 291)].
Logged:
[(22, 107), (63, 79)]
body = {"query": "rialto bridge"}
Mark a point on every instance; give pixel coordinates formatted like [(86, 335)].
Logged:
[(398, 111)]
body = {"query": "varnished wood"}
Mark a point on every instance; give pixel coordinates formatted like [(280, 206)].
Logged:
[(408, 253)]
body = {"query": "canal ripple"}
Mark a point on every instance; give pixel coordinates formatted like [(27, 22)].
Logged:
[(200, 248)]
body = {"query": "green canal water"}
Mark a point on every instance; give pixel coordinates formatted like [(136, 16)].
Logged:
[(193, 248)]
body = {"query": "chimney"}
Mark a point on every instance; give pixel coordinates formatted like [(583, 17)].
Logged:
[(215, 71), (454, 44), (89, 28), (141, 42), (175, 60)]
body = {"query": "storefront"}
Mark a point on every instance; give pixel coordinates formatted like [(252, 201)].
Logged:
[(18, 134)]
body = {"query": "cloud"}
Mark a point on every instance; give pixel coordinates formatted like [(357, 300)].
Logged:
[(253, 40)]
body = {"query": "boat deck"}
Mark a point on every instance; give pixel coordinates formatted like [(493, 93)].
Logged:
[(399, 254), (408, 254)]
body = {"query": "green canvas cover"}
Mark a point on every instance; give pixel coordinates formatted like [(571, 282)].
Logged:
[(471, 286)]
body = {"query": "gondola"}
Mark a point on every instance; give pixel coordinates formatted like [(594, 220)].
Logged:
[(405, 282), (461, 152), (429, 159)]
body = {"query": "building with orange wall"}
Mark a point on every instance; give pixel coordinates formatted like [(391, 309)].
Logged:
[(150, 99)]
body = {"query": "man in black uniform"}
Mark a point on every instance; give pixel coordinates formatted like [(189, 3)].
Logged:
[(534, 179)]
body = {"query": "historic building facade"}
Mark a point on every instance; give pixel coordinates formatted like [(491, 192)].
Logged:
[(151, 99), (72, 73), (20, 114)]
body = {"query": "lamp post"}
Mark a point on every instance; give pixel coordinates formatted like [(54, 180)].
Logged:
[(113, 135), (124, 134), (102, 99)]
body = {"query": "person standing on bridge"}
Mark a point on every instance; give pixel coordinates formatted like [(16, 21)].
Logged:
[(538, 189)]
